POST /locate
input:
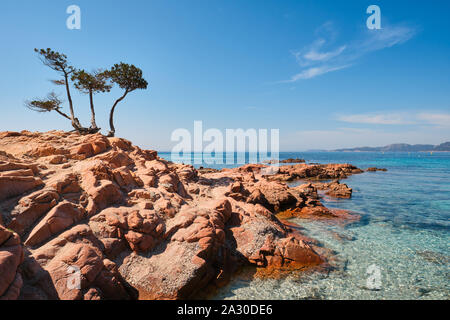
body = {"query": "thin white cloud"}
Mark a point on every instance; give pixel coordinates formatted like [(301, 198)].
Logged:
[(314, 55), (314, 72), (438, 119), (384, 38), (433, 119), (323, 56), (375, 119), (317, 51)]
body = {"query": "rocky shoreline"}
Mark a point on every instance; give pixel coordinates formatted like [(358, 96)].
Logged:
[(136, 226)]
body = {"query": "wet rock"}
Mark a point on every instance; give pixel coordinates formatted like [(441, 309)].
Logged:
[(374, 169), (336, 189)]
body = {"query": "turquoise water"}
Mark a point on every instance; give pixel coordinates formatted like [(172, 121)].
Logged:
[(398, 250)]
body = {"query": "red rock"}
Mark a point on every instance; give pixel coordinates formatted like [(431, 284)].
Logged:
[(17, 173), (315, 172), (157, 166), (236, 187), (338, 190), (65, 183), (291, 160), (9, 134), (277, 195), (147, 155), (11, 255), (93, 294), (12, 166), (77, 270), (298, 253), (82, 257), (31, 208), (56, 159), (125, 179), (84, 150), (187, 173), (224, 208), (117, 159), (15, 185), (105, 194), (46, 150), (109, 280), (119, 143), (147, 242), (309, 190), (169, 182), (172, 229), (64, 215), (99, 144), (315, 211)]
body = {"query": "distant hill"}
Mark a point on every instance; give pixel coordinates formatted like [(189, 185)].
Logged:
[(402, 147), (443, 147)]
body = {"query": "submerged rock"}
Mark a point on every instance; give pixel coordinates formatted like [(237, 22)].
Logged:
[(374, 169)]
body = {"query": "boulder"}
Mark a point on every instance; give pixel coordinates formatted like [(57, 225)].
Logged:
[(11, 256), (62, 216), (31, 208), (11, 186)]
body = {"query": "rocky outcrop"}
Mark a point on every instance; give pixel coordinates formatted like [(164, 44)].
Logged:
[(59, 218), (11, 256), (289, 160), (72, 267), (16, 178), (314, 172), (335, 189), (292, 160), (101, 218)]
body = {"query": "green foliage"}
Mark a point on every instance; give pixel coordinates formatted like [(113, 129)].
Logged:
[(50, 103), (127, 77), (54, 60), (94, 82)]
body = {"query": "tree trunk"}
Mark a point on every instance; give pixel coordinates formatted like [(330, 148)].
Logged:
[(91, 99), (63, 114), (112, 131), (75, 122)]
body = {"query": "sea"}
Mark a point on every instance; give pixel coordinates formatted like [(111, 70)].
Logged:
[(399, 249)]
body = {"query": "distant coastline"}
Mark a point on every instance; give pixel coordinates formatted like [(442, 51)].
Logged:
[(396, 147), (400, 147)]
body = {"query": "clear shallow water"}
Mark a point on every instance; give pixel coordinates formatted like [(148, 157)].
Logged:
[(404, 231)]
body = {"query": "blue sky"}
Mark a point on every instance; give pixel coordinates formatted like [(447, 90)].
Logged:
[(309, 68)]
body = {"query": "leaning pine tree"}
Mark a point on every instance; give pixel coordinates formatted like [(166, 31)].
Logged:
[(58, 62), (50, 103), (129, 78)]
